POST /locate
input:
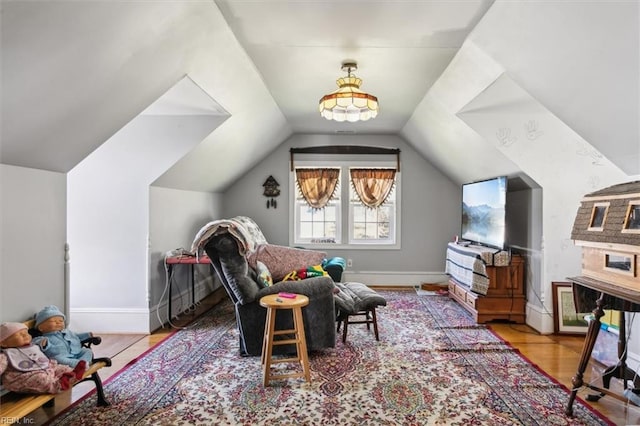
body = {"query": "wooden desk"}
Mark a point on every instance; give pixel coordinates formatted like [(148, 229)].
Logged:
[(610, 296), (191, 261)]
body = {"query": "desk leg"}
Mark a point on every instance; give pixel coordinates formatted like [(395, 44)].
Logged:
[(589, 343), (170, 281), (193, 287)]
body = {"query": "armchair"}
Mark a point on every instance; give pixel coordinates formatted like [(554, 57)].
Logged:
[(227, 254)]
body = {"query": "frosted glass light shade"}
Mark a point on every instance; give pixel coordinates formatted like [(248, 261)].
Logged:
[(348, 103)]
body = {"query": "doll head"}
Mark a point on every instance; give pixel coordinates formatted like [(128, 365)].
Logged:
[(14, 335), (50, 319)]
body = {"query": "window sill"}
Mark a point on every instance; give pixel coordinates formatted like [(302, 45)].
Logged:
[(325, 247)]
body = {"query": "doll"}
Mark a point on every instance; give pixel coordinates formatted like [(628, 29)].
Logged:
[(26, 369), (58, 342)]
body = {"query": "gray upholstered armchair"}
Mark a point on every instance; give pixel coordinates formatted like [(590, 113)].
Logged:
[(240, 282)]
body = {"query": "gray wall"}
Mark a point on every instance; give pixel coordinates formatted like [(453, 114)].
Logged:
[(33, 210), (175, 216), (430, 205), (524, 236)]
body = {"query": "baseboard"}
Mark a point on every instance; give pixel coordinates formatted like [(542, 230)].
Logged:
[(135, 320), (539, 319), (633, 360), (180, 303), (392, 278), (110, 320)]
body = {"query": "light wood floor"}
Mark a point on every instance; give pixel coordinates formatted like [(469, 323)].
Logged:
[(558, 356)]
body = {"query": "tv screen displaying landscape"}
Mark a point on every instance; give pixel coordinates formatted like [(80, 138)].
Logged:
[(483, 212)]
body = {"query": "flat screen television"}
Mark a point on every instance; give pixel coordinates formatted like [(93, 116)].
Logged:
[(483, 212)]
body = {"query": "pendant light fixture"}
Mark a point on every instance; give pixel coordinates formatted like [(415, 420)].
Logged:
[(349, 103)]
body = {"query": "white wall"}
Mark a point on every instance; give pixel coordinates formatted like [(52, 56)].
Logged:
[(108, 218), (580, 59), (430, 211), (33, 228), (175, 216), (564, 165)]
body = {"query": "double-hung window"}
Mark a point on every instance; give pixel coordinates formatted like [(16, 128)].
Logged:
[(345, 221)]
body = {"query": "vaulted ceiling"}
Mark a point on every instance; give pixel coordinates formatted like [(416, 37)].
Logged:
[(74, 73)]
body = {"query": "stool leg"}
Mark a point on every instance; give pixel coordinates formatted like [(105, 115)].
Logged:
[(375, 323), (271, 322), (301, 343), (265, 339)]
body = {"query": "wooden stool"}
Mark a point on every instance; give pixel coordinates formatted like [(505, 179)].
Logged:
[(273, 303)]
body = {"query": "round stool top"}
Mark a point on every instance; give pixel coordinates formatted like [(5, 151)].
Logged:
[(278, 302)]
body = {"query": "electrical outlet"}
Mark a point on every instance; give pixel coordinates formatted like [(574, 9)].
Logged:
[(349, 263)]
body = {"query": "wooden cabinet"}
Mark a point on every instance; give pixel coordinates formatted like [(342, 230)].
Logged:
[(505, 299)]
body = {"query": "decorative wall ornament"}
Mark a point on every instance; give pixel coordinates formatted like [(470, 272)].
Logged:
[(271, 190), (531, 129), (587, 151), (504, 136)]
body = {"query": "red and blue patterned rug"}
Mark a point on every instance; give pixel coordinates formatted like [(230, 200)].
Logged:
[(432, 366)]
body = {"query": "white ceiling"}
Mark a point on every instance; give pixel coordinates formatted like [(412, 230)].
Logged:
[(74, 73), (401, 48)]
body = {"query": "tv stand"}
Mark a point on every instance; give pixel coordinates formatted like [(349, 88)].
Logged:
[(505, 297)]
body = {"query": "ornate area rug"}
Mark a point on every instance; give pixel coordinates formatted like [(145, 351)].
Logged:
[(432, 366)]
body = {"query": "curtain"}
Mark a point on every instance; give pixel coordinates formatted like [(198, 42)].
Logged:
[(317, 185), (373, 186)]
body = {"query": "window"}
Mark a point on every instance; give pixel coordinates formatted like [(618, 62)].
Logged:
[(350, 223), (369, 225), (598, 216), (318, 226), (632, 217), (620, 263)]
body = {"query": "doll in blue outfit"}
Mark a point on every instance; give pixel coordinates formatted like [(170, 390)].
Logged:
[(57, 341)]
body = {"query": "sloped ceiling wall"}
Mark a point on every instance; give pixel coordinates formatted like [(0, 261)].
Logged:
[(580, 60), (548, 89), (74, 73), (450, 144)]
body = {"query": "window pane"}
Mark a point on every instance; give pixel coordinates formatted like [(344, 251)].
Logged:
[(371, 215), (317, 225), (359, 213), (305, 229), (384, 230), (372, 230), (330, 229), (306, 214), (633, 217)]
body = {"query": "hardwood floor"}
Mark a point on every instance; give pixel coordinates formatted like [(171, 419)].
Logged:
[(558, 356)]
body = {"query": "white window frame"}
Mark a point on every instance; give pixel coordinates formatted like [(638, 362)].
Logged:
[(297, 206), (345, 215)]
